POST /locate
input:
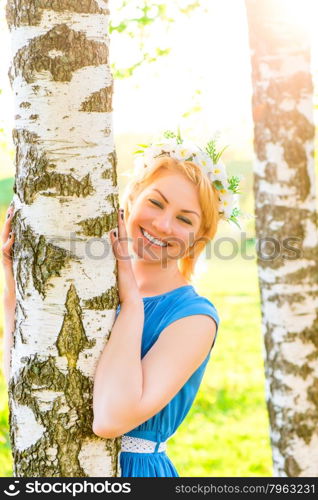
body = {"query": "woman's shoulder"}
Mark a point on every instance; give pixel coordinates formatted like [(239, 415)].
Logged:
[(188, 302)]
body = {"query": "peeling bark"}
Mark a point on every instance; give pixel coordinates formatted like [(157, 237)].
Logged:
[(285, 205), (65, 194)]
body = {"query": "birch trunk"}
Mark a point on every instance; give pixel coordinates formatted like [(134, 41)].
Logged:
[(66, 201), (285, 204)]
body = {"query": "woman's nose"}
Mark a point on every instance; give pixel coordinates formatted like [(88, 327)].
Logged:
[(162, 224)]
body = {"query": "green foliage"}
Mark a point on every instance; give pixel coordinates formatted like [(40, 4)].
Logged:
[(138, 20), (236, 212), (218, 185), (168, 134), (234, 182), (194, 109), (211, 150)]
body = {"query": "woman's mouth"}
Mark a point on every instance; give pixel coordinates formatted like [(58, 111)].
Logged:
[(152, 240)]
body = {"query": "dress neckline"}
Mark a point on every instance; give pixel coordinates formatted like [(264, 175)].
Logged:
[(167, 293)]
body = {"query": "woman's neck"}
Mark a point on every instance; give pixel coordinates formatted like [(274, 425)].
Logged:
[(154, 279)]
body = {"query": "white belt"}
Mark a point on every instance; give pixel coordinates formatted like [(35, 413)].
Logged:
[(140, 445)]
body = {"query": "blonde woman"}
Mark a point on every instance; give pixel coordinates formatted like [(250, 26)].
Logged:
[(152, 365)]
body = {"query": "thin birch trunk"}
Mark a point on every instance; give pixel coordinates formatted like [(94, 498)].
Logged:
[(66, 202), (285, 204)]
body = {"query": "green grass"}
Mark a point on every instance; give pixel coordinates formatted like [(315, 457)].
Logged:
[(226, 432), (6, 192)]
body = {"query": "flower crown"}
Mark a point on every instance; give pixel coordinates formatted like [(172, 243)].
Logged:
[(209, 161)]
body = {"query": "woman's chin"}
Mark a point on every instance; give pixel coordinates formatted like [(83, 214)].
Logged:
[(150, 253)]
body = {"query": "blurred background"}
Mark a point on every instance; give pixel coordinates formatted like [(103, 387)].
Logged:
[(187, 64)]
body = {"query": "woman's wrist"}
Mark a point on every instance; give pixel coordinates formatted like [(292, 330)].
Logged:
[(132, 303)]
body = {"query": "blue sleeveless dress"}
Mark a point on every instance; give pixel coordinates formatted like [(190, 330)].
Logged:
[(161, 311)]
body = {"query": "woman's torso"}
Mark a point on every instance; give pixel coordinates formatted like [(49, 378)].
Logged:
[(160, 311)]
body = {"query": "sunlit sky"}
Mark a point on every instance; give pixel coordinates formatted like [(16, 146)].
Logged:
[(208, 67)]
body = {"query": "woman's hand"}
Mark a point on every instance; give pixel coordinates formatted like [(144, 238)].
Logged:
[(127, 285), (7, 237)]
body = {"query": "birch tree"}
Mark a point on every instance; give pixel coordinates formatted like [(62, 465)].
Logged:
[(66, 202), (285, 204)]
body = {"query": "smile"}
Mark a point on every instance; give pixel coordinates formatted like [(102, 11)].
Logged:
[(152, 239)]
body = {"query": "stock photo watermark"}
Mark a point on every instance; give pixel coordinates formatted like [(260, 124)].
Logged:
[(225, 248)]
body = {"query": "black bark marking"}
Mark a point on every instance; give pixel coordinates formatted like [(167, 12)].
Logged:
[(100, 101), (292, 468), (310, 335), (78, 52), (29, 12), (111, 173), (107, 300), (39, 178), (72, 338), (97, 226), (293, 226), (37, 257)]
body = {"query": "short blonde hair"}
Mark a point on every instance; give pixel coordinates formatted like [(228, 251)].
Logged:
[(208, 198)]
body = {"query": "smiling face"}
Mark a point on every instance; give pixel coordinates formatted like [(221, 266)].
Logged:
[(165, 217)]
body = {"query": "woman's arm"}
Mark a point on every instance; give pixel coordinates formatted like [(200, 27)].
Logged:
[(9, 296), (118, 377), (179, 351)]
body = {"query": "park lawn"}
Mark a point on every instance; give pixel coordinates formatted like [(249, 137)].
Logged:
[(226, 432)]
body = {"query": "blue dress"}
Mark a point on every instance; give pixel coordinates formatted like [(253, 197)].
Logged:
[(160, 311)]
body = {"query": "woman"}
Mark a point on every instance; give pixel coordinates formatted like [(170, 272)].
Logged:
[(152, 365)]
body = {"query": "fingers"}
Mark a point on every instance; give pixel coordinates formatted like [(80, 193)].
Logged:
[(121, 223), (116, 244), (122, 230), (7, 250), (119, 237), (7, 237), (7, 224)]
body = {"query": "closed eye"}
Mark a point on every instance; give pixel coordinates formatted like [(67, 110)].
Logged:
[(155, 203), (158, 204), (186, 220)]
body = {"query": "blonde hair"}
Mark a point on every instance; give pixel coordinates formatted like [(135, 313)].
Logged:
[(208, 198)]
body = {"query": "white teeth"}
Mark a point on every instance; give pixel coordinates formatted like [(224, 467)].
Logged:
[(152, 239)]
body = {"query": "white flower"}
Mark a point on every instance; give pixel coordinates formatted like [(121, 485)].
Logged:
[(227, 212), (218, 173), (184, 151), (205, 163), (226, 203), (228, 196)]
